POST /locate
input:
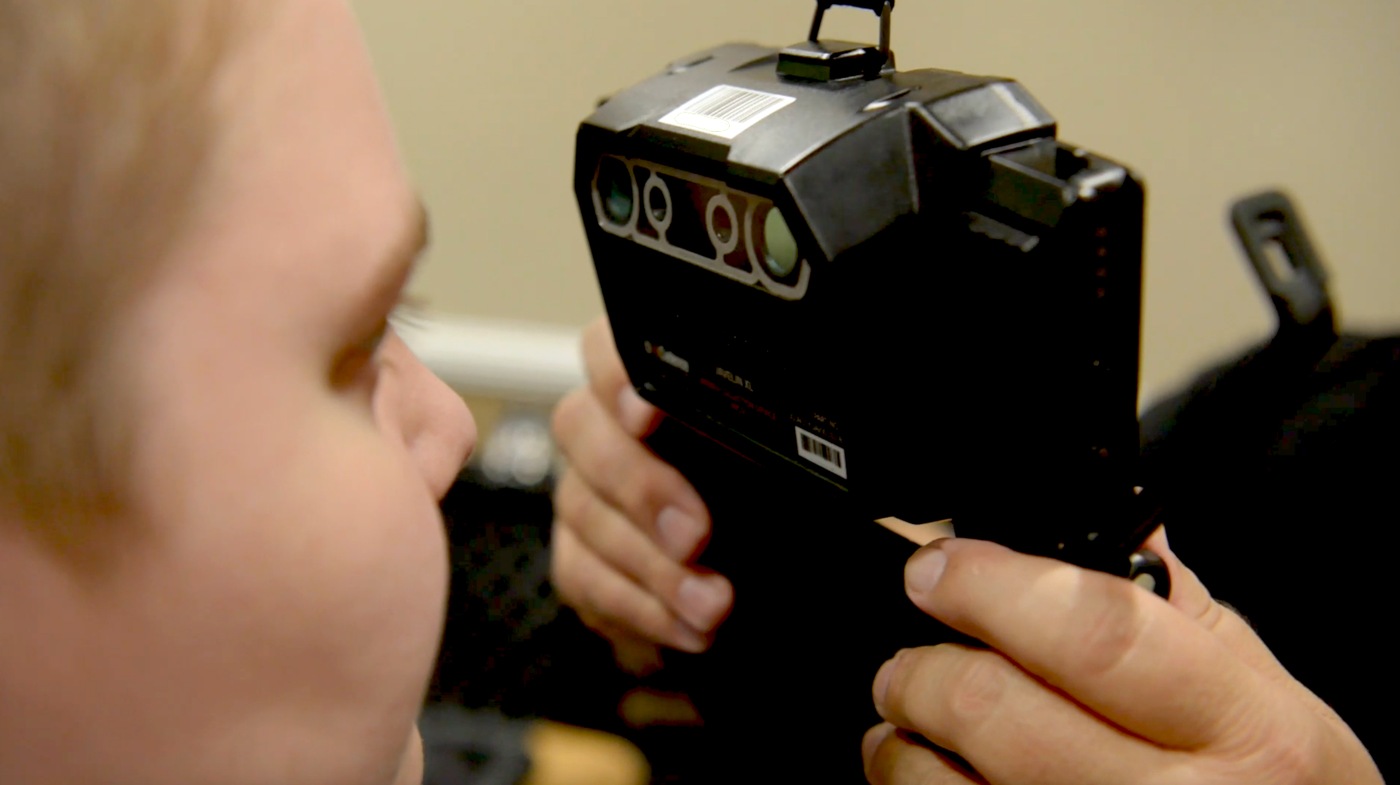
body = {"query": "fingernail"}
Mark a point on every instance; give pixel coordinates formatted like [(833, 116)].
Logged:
[(924, 570), (687, 639), (882, 684), (703, 600), (872, 741), (679, 532), (634, 412)]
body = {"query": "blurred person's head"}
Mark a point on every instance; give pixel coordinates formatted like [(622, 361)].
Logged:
[(221, 559)]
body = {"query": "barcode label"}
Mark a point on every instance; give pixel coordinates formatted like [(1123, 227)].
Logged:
[(822, 452), (726, 111)]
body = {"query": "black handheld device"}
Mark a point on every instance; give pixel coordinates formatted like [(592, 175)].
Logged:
[(895, 288)]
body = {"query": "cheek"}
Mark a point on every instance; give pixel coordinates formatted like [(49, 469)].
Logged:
[(289, 586), (335, 558)]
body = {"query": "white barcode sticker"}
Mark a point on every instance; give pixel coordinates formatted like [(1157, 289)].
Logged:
[(821, 452), (726, 111)]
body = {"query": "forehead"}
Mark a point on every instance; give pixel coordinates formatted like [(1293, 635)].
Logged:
[(306, 176)]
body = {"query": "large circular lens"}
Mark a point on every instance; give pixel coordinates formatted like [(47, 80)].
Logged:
[(779, 246), (615, 191)]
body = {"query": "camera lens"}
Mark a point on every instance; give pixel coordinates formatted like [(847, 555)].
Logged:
[(658, 201), (719, 215), (614, 186), (723, 224), (779, 246)]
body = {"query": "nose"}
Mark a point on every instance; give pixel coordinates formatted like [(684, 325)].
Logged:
[(435, 423)]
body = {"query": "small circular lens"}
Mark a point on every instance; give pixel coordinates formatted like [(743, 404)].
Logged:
[(658, 205), (615, 190), (722, 222), (780, 247)]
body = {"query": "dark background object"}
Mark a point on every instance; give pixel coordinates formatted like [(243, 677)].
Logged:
[(1277, 473), (513, 654), (1274, 465), (1286, 508)]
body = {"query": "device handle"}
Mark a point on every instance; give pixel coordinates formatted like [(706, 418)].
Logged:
[(883, 8)]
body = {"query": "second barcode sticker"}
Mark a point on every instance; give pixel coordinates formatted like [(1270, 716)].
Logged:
[(821, 452), (726, 110)]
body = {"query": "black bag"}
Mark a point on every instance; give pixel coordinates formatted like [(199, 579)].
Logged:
[(1275, 472)]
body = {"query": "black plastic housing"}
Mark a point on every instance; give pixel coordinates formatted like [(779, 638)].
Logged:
[(960, 339)]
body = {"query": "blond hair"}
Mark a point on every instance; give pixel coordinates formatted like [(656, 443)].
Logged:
[(106, 118)]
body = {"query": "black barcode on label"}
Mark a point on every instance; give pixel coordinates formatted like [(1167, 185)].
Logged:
[(726, 110), (821, 452), (734, 105)]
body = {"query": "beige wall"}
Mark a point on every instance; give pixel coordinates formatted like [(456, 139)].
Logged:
[(1206, 99)]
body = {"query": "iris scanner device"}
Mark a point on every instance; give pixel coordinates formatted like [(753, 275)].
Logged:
[(896, 288)]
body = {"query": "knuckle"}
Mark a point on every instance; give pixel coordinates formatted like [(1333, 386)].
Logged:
[(1219, 616), (572, 502), (1269, 754), (976, 688), (883, 761), (642, 499), (564, 568), (601, 596), (601, 364), (617, 544), (614, 462), (1210, 615), (1113, 628), (566, 414), (636, 481), (898, 760), (659, 575), (589, 518), (622, 605)]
